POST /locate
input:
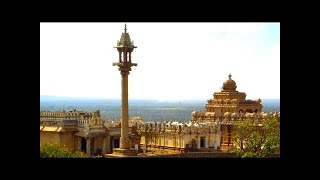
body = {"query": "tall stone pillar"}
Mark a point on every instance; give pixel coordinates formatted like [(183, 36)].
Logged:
[(199, 142), (88, 147), (124, 139), (124, 46)]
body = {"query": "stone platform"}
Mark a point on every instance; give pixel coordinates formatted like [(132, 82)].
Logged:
[(117, 152)]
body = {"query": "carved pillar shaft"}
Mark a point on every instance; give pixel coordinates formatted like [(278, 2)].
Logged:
[(95, 144), (206, 145), (106, 145), (125, 56), (88, 147), (124, 139), (218, 139)]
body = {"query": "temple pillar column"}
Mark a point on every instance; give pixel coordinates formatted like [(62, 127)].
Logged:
[(106, 145), (124, 138), (95, 139), (198, 142), (206, 141), (145, 144), (217, 143), (88, 147)]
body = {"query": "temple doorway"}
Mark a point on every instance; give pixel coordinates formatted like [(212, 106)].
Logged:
[(202, 142), (193, 145), (111, 144), (83, 145), (116, 143)]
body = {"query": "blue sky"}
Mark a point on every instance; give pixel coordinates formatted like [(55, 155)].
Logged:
[(175, 60)]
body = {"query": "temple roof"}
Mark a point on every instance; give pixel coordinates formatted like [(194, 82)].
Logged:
[(229, 85), (125, 38)]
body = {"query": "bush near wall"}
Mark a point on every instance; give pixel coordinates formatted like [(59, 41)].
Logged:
[(50, 150)]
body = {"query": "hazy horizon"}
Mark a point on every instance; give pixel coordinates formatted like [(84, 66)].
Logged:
[(149, 110), (97, 98)]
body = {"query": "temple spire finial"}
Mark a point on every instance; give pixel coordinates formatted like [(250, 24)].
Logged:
[(229, 75), (125, 28)]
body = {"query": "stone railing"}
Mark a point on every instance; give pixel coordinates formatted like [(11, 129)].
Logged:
[(69, 123), (63, 124), (51, 123), (83, 122)]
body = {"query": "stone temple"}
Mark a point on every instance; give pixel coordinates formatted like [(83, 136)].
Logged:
[(212, 129), (209, 130)]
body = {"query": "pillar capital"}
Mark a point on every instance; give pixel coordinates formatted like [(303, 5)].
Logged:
[(124, 72)]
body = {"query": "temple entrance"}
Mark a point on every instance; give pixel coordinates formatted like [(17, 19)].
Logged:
[(116, 143), (193, 145), (249, 111), (111, 144), (83, 145), (202, 142)]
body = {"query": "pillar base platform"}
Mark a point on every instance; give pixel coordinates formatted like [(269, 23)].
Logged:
[(122, 152)]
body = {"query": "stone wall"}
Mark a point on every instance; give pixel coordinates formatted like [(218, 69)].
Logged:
[(98, 142), (69, 140), (49, 137)]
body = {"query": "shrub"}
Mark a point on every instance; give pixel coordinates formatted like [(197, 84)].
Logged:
[(253, 140), (51, 150)]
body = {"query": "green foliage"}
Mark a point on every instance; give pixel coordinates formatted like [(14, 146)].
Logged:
[(55, 151), (256, 140)]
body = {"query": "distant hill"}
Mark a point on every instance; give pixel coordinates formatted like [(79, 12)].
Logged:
[(149, 110)]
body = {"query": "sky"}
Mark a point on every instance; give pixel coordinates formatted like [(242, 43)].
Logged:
[(176, 61)]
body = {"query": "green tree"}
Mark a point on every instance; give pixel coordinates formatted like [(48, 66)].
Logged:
[(50, 150), (253, 139)]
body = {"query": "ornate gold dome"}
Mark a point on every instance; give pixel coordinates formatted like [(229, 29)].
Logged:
[(229, 85)]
